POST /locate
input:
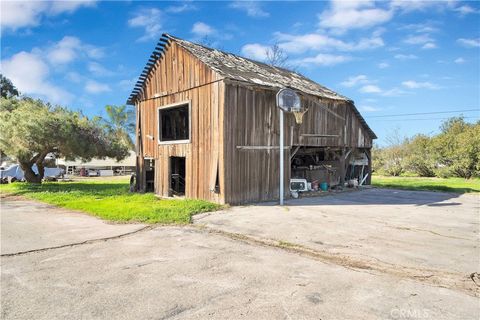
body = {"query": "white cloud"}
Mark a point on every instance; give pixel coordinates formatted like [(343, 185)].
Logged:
[(181, 8), (408, 5), (64, 51), (74, 77), (405, 56), (316, 41), (418, 39), (459, 60), (70, 6), (426, 27), (252, 8), (255, 51), (21, 14), (32, 71), (29, 72), (70, 48), (355, 80), (96, 87), (424, 5), (345, 15), (465, 9), (98, 70), (150, 20), (412, 84), (322, 59), (370, 88), (383, 65), (394, 92), (202, 29), (469, 43), (429, 45)]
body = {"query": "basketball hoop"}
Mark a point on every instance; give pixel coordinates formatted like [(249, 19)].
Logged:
[(299, 115), (288, 100)]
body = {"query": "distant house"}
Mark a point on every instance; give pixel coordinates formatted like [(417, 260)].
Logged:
[(208, 127)]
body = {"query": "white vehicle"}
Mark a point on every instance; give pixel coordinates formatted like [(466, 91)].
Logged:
[(16, 173)]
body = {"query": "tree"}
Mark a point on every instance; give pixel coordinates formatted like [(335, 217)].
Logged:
[(7, 89), (394, 154), (32, 129), (457, 148), (275, 56), (419, 157), (378, 158), (122, 121)]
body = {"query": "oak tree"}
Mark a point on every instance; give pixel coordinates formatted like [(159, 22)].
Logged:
[(31, 129)]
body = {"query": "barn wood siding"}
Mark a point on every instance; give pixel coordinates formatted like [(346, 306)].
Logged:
[(252, 119), (179, 77)]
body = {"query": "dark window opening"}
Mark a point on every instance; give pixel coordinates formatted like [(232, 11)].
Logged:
[(174, 123), (177, 176)]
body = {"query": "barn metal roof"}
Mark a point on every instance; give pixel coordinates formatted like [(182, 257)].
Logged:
[(238, 68)]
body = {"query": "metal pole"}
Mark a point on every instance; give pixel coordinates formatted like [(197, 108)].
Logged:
[(281, 157)]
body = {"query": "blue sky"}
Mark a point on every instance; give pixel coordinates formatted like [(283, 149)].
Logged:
[(390, 57)]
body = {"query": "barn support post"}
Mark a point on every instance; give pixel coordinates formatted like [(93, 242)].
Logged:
[(282, 169), (369, 169), (342, 168), (140, 163)]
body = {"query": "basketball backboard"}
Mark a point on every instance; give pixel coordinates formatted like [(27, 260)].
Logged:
[(288, 100)]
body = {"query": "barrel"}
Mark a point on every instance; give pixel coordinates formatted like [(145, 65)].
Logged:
[(324, 186)]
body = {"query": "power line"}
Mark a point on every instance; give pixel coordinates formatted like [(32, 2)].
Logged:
[(422, 113), (421, 119)]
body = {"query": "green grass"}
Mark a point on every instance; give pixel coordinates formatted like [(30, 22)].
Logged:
[(111, 200), (458, 185)]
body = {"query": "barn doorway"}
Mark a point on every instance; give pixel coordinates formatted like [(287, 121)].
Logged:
[(177, 176), (149, 175), (316, 165)]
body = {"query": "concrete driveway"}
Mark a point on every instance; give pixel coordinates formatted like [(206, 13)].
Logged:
[(222, 268), (411, 234), (28, 225)]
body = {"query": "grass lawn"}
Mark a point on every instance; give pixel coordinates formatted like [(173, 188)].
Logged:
[(458, 185), (111, 200)]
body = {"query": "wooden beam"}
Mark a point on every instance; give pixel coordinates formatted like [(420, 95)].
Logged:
[(294, 152), (328, 110), (363, 180), (262, 147), (319, 135)]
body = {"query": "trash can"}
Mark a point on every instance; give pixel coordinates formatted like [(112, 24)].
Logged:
[(324, 186)]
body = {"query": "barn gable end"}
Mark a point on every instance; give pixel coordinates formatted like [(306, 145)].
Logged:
[(176, 77)]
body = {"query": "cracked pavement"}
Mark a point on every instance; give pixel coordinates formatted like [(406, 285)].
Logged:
[(319, 258)]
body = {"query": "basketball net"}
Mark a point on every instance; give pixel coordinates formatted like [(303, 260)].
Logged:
[(299, 115)]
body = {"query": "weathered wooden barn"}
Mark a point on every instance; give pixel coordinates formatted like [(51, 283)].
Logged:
[(208, 128)]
